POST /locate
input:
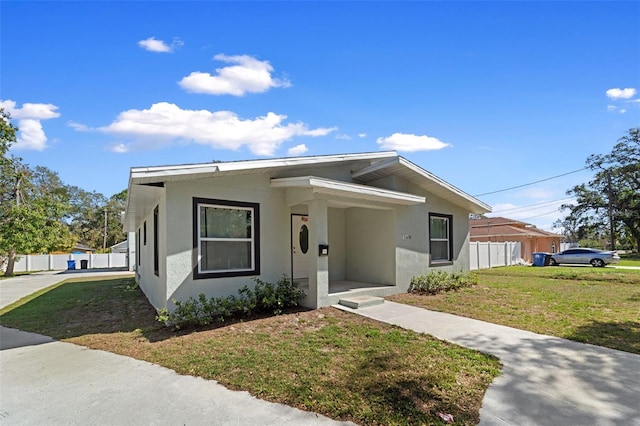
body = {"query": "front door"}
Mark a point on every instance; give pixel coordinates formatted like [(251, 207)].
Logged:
[(299, 246)]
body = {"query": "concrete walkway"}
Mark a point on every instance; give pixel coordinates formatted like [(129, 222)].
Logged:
[(44, 382), (546, 380)]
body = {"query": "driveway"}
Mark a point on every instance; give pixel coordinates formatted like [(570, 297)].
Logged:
[(45, 382)]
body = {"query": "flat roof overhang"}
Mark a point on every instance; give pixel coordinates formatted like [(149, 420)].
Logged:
[(342, 194), (401, 167)]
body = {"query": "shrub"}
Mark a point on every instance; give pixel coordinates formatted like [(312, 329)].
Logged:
[(439, 281), (263, 298)]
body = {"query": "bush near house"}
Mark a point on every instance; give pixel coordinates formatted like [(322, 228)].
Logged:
[(439, 281), (264, 298)]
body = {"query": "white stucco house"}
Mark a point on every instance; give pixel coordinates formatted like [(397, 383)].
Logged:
[(337, 224)]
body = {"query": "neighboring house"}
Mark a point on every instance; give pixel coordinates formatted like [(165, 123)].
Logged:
[(77, 249), (501, 229), (338, 224), (121, 247)]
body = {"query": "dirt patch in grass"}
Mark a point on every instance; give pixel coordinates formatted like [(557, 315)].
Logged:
[(591, 305), (327, 361)]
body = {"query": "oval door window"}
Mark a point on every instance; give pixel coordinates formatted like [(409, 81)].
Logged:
[(304, 239)]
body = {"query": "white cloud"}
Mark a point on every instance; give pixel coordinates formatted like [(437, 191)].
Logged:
[(119, 148), (153, 45), (220, 129), (618, 93), (362, 135), (78, 127), (245, 75), (411, 143), (321, 131), (31, 135), (343, 137), (297, 150), (615, 108)]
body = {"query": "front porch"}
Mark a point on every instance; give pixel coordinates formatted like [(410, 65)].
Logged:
[(339, 290), (343, 237)]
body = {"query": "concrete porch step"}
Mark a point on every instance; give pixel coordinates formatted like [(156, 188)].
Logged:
[(356, 302)]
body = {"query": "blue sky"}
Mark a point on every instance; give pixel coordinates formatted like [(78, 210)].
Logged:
[(486, 95)]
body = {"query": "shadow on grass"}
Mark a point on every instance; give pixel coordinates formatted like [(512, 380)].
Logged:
[(87, 307), (415, 400), (624, 336), (93, 307)]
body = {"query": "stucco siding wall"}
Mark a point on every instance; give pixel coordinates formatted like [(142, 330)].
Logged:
[(337, 244), (154, 287), (370, 244), (412, 237), (412, 244), (275, 231)]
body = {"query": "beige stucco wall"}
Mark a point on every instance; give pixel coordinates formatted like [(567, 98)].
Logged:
[(370, 246), (377, 246), (275, 260), (337, 244), (154, 287)]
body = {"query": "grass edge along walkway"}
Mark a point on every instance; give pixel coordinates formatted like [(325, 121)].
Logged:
[(327, 361)]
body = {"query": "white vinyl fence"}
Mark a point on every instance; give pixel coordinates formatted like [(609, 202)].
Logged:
[(485, 255), (48, 262)]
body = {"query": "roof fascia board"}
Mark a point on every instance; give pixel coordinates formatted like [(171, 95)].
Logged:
[(155, 173), (443, 183), (375, 167), (330, 186)]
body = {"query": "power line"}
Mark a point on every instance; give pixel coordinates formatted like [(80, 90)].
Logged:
[(531, 205), (541, 214), (531, 183)]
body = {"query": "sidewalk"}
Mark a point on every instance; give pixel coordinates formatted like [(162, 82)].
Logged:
[(45, 382), (545, 380)]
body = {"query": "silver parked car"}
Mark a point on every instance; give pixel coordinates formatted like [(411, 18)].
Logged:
[(585, 256)]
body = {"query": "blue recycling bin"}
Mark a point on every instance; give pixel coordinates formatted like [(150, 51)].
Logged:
[(71, 264), (538, 259)]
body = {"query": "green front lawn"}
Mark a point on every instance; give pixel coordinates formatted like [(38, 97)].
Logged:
[(629, 260), (326, 361), (600, 306)]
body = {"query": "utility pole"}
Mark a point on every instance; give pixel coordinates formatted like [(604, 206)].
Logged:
[(104, 241), (611, 225)]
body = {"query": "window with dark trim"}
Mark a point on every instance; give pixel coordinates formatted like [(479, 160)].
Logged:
[(156, 269), (144, 232), (440, 237), (226, 238)]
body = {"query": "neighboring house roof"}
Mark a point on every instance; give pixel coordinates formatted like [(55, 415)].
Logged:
[(503, 227), (121, 245), (83, 247), (145, 182)]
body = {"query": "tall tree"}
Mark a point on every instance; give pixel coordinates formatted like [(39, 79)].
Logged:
[(610, 202), (87, 217), (32, 204)]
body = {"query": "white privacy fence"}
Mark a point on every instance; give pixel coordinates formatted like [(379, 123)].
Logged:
[(484, 255), (47, 262)]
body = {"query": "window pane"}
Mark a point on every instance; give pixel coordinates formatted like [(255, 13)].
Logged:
[(439, 227), (439, 250), (219, 222), (226, 255)]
